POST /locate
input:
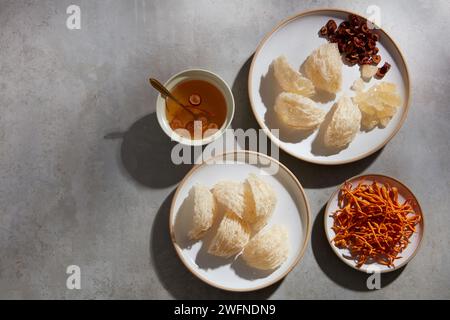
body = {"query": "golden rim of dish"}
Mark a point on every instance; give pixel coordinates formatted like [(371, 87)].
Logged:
[(305, 238), (367, 176), (277, 141)]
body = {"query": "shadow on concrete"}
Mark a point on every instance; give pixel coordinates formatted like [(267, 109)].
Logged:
[(337, 270), (146, 154), (175, 277), (316, 176), (243, 116)]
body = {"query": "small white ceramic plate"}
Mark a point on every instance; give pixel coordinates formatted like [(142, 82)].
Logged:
[(403, 194), (195, 74), (296, 38), (292, 211)]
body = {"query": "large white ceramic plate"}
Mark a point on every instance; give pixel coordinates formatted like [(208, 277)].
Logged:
[(296, 38), (403, 194), (292, 211)]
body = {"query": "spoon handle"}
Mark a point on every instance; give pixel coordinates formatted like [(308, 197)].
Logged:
[(164, 92)]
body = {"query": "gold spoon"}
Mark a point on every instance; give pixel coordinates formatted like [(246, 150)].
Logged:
[(166, 94)]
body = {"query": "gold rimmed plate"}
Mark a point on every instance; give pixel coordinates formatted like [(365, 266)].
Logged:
[(292, 211), (296, 38), (404, 193)]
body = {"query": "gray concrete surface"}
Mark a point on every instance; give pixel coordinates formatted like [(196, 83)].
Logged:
[(85, 174)]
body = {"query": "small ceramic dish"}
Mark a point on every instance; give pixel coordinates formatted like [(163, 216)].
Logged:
[(403, 193), (195, 74)]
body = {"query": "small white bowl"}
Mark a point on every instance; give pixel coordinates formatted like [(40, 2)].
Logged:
[(195, 74)]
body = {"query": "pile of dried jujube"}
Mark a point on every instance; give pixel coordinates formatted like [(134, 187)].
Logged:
[(356, 42)]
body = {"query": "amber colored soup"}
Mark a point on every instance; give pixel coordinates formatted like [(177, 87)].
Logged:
[(210, 110)]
